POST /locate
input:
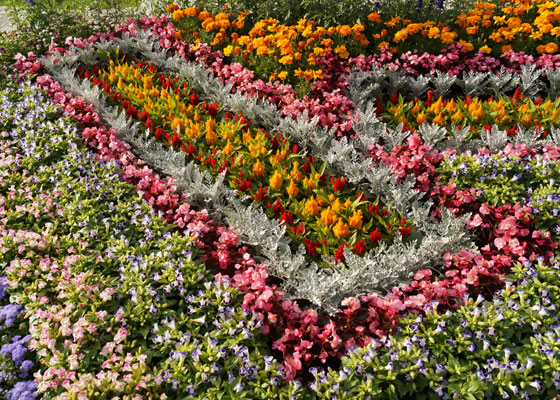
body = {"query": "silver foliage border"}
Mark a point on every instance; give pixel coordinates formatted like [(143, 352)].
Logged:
[(378, 270)]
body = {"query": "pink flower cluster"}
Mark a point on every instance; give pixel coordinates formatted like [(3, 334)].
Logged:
[(455, 60)]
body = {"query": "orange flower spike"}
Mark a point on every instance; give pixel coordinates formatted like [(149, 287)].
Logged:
[(356, 220), (295, 173), (337, 206), (292, 189), (258, 169), (309, 183), (312, 208), (211, 137), (328, 217), (421, 118), (228, 148), (276, 181), (341, 230)]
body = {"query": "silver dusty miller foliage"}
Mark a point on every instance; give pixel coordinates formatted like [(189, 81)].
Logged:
[(367, 85), (382, 268)]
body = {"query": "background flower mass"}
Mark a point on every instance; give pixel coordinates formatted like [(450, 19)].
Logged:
[(225, 200)]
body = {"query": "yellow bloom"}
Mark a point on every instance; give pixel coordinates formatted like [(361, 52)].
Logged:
[(228, 149), (292, 189), (458, 116), (341, 230), (451, 106), (485, 49), (337, 206), (356, 220), (258, 169), (421, 118), (328, 217), (295, 173), (286, 60), (148, 82), (309, 183), (276, 181), (341, 51), (311, 207), (211, 137), (283, 75), (228, 50)]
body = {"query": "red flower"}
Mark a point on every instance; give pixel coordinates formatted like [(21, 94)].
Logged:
[(287, 217), (194, 99), (159, 133), (339, 184), (429, 99), (394, 98), (191, 149), (339, 255), (245, 185), (213, 109), (360, 247), (375, 236), (277, 208), (176, 140)]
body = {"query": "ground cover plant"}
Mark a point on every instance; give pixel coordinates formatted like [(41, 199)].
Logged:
[(181, 219)]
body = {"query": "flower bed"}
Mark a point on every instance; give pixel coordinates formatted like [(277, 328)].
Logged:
[(510, 195)]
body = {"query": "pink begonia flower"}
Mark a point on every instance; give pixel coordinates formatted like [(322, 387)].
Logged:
[(474, 221)]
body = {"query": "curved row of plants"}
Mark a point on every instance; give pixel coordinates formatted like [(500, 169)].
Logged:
[(484, 185), (90, 276)]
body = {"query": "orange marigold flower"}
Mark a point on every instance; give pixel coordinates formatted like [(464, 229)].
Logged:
[(190, 12), (344, 30), (172, 7), (374, 17)]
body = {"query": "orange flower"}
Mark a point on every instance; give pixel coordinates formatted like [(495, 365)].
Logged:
[(341, 230), (292, 189), (311, 207), (276, 181), (374, 17), (172, 7), (356, 220), (328, 217), (258, 169)]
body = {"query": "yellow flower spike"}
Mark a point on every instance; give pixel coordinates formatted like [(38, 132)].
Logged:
[(308, 183), (311, 207), (295, 173), (415, 110), (438, 119), (421, 118), (341, 230), (228, 148), (292, 189), (196, 116), (451, 106), (337, 205), (154, 93), (276, 181), (437, 106), (258, 169), (356, 220), (347, 203), (211, 137), (120, 85), (458, 116), (328, 217), (148, 82)]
